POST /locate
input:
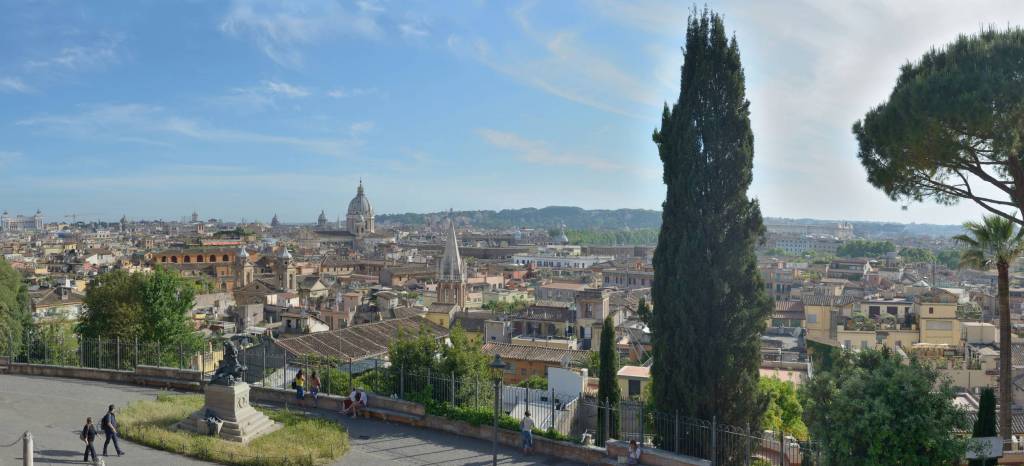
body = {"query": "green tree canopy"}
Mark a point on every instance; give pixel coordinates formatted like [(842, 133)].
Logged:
[(949, 257), (414, 352), (153, 307), (872, 408), (709, 300), (913, 255), (865, 248), (951, 124), (643, 310), (607, 382), (535, 381), (985, 424), (15, 307), (639, 236), (784, 412), (462, 357)]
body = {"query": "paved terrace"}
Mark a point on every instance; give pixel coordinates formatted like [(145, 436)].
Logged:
[(54, 409)]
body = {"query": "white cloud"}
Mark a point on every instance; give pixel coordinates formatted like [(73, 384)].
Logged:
[(285, 89), (79, 57), (563, 66), (412, 30), (279, 29), (12, 84), (261, 96), (342, 93), (538, 153), (136, 123)]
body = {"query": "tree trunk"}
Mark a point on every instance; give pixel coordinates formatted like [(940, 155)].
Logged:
[(1005, 353)]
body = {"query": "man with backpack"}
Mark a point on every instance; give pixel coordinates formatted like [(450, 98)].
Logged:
[(109, 426)]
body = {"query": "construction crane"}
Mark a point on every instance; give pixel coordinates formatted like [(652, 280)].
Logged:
[(74, 216)]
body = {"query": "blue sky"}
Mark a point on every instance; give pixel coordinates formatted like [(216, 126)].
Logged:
[(247, 108)]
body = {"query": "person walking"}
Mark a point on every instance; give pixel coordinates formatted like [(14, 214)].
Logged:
[(314, 388), (300, 386), (526, 427), (109, 426), (88, 436)]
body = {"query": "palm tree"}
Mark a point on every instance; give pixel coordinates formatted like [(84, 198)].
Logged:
[(996, 242)]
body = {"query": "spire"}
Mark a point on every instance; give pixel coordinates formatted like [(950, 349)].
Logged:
[(359, 190), (450, 268)]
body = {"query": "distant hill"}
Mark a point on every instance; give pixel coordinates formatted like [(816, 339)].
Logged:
[(548, 217), (576, 218)]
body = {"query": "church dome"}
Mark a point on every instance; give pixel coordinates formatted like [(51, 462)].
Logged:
[(360, 205)]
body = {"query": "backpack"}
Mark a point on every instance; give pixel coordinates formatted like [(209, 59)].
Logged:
[(295, 385)]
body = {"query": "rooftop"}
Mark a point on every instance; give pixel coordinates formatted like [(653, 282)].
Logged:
[(359, 341), (638, 372), (536, 353)]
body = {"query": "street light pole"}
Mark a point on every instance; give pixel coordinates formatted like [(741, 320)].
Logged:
[(497, 407), (497, 367)]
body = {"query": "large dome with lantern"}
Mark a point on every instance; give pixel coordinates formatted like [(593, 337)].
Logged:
[(359, 218)]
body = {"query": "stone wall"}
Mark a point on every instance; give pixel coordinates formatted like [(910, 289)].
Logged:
[(655, 457), (180, 379)]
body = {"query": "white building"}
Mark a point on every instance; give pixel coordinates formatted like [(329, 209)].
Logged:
[(21, 222), (558, 262)]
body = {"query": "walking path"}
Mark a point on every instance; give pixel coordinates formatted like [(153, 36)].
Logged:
[(54, 409)]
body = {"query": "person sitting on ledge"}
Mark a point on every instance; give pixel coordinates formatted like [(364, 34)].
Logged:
[(633, 453), (356, 401)]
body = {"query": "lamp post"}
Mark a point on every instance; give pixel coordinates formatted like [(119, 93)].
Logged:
[(497, 367)]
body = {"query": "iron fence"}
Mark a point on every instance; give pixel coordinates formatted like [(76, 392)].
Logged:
[(577, 416)]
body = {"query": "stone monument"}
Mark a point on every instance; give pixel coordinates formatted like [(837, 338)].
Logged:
[(227, 412)]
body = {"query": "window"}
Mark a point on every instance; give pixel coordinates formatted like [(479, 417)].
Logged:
[(863, 344), (213, 258), (163, 258), (812, 318), (931, 310), (846, 344), (224, 258), (893, 310), (634, 388)]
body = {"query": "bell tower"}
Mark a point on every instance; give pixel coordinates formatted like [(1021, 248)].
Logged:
[(451, 272)]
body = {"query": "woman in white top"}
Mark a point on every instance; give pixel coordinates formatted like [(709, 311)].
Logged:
[(633, 454)]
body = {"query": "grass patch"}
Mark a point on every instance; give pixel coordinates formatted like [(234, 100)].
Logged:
[(301, 442)]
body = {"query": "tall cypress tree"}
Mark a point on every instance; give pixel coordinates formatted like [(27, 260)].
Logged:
[(607, 381), (709, 297), (985, 425)]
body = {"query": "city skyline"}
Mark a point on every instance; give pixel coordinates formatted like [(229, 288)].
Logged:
[(246, 109)]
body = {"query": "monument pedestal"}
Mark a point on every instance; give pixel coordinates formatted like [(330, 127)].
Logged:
[(230, 403)]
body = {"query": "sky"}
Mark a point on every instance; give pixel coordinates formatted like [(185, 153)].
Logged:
[(244, 109)]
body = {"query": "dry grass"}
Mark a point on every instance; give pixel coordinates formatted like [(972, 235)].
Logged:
[(302, 441)]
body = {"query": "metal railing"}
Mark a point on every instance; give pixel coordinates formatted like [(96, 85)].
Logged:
[(577, 416)]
